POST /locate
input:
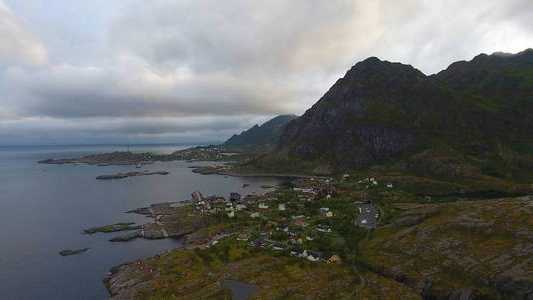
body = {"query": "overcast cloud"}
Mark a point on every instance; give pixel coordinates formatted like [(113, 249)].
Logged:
[(200, 70)]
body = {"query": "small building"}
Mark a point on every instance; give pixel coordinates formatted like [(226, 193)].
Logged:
[(323, 228), (263, 206), (255, 215), (234, 197), (334, 259), (243, 237), (325, 212), (300, 222), (313, 256), (197, 196), (282, 207), (240, 207)]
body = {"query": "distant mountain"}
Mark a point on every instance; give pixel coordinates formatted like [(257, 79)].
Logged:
[(266, 135), (474, 117)]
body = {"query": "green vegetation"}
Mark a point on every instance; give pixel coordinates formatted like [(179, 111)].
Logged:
[(195, 274)]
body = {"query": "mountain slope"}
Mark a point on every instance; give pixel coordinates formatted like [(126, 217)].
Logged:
[(476, 114), (267, 134)]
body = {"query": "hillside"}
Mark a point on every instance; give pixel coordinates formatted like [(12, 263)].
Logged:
[(265, 135), (472, 119)]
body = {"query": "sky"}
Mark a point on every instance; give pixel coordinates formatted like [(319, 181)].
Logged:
[(192, 71)]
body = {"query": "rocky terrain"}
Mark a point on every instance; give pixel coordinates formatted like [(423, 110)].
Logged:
[(199, 274), (474, 249)]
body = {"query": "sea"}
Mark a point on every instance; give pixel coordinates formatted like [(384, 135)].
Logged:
[(44, 209)]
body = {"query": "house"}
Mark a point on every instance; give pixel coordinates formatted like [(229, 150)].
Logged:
[(282, 207), (389, 185), (315, 255), (300, 222), (276, 246), (325, 212), (323, 228), (234, 197), (334, 259), (263, 206), (231, 214), (255, 215), (240, 207), (197, 196), (283, 228), (243, 237), (327, 191)]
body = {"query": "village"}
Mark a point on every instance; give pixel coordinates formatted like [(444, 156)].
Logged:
[(311, 218), (303, 220)]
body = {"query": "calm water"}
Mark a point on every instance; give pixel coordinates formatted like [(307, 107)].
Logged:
[(43, 209)]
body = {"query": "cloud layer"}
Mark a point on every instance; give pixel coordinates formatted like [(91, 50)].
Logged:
[(169, 70)]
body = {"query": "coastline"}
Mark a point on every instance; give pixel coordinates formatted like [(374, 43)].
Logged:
[(298, 227)]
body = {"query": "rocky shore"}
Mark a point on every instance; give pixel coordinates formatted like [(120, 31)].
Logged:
[(170, 220)]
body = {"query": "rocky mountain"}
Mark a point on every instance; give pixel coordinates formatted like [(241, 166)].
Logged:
[(473, 117), (265, 135)]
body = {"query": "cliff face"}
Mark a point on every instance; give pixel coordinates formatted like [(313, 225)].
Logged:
[(381, 110), (267, 134)]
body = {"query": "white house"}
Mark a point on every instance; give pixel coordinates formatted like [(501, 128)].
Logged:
[(263, 206)]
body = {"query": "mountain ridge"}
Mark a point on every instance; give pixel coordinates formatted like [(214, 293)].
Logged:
[(264, 135), (380, 112)]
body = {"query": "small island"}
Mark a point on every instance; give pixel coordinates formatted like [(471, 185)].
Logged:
[(130, 174), (69, 252)]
